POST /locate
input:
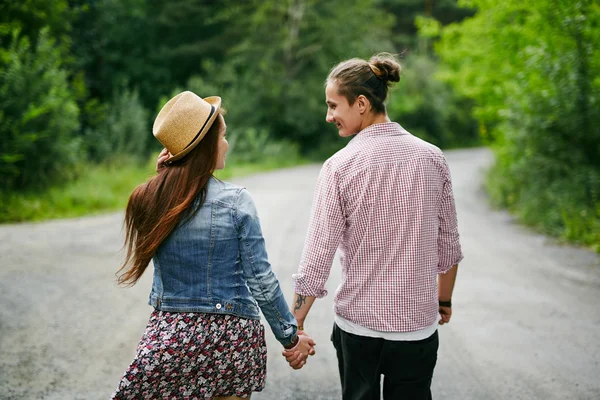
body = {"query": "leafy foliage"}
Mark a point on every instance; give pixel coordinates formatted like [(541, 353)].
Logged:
[(124, 130), (532, 70), (275, 54), (38, 115), (429, 108), (405, 30), (274, 76), (82, 79)]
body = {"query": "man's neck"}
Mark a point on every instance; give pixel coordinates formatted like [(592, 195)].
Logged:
[(373, 119)]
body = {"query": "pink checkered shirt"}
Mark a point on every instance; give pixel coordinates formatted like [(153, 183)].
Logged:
[(386, 201)]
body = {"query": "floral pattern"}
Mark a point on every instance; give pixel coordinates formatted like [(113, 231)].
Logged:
[(196, 356)]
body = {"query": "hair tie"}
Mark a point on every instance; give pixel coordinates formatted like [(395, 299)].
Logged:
[(376, 71)]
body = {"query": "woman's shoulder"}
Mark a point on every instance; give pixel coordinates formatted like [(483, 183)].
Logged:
[(225, 192), (220, 185), (233, 196)]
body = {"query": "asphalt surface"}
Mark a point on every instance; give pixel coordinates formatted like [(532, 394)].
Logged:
[(526, 321)]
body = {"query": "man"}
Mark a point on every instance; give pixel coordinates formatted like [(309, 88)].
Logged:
[(386, 202)]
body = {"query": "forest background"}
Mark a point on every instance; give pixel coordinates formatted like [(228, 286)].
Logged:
[(81, 81)]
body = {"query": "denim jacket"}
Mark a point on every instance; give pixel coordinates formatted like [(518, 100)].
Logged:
[(216, 262)]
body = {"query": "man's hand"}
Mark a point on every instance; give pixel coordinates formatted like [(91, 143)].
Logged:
[(445, 314), (298, 356), (445, 288), (162, 157)]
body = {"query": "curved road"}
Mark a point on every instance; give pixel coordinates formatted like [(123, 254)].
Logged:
[(526, 321)]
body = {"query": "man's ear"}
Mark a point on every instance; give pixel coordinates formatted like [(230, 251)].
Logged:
[(363, 104)]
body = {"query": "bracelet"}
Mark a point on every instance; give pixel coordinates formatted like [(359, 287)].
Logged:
[(300, 328), (445, 303), (294, 344)]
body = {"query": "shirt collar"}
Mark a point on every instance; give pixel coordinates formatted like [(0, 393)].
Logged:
[(382, 129)]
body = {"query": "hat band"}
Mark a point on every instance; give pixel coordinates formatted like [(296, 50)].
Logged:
[(212, 111)]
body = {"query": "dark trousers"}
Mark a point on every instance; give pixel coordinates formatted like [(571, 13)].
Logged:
[(407, 366)]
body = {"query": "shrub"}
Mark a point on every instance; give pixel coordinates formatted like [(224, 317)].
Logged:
[(125, 130), (38, 115)]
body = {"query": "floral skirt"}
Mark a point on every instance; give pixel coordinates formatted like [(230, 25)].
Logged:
[(196, 356)]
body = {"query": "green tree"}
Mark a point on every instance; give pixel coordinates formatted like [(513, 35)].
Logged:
[(429, 108), (532, 69), (276, 52), (274, 76), (269, 57), (405, 31), (38, 115), (124, 130), (146, 45), (29, 17)]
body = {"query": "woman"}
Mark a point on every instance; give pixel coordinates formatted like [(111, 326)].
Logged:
[(204, 339)]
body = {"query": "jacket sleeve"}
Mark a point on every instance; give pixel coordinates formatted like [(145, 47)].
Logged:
[(259, 276)]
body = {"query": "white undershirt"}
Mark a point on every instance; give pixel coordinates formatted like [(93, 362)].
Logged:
[(355, 329)]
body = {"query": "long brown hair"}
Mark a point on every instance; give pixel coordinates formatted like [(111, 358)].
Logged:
[(156, 207), (371, 78)]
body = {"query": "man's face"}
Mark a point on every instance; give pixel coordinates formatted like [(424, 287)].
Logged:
[(346, 117)]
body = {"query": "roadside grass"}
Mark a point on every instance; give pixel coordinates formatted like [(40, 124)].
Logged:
[(559, 208), (104, 188)]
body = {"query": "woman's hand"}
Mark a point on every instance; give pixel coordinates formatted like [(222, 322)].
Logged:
[(162, 157), (298, 356)]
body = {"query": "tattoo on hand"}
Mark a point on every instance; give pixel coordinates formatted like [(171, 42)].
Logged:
[(300, 301)]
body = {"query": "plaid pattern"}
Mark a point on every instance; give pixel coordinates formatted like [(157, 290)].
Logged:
[(386, 202)]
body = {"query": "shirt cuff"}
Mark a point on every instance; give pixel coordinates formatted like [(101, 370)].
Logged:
[(445, 267), (303, 286)]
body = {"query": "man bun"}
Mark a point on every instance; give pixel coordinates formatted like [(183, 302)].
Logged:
[(385, 67), (373, 79)]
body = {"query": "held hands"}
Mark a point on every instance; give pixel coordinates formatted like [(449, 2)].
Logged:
[(162, 157), (298, 356)]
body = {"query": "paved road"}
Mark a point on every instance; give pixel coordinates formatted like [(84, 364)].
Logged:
[(526, 322)]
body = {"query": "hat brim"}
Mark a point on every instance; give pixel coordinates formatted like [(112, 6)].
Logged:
[(215, 102)]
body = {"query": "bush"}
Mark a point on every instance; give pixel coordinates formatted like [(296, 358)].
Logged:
[(38, 115), (125, 130), (253, 146), (534, 74), (248, 144), (550, 195)]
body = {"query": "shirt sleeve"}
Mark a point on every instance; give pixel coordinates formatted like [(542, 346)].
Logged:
[(325, 231), (449, 250)]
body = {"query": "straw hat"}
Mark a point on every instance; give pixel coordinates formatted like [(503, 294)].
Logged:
[(183, 121)]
